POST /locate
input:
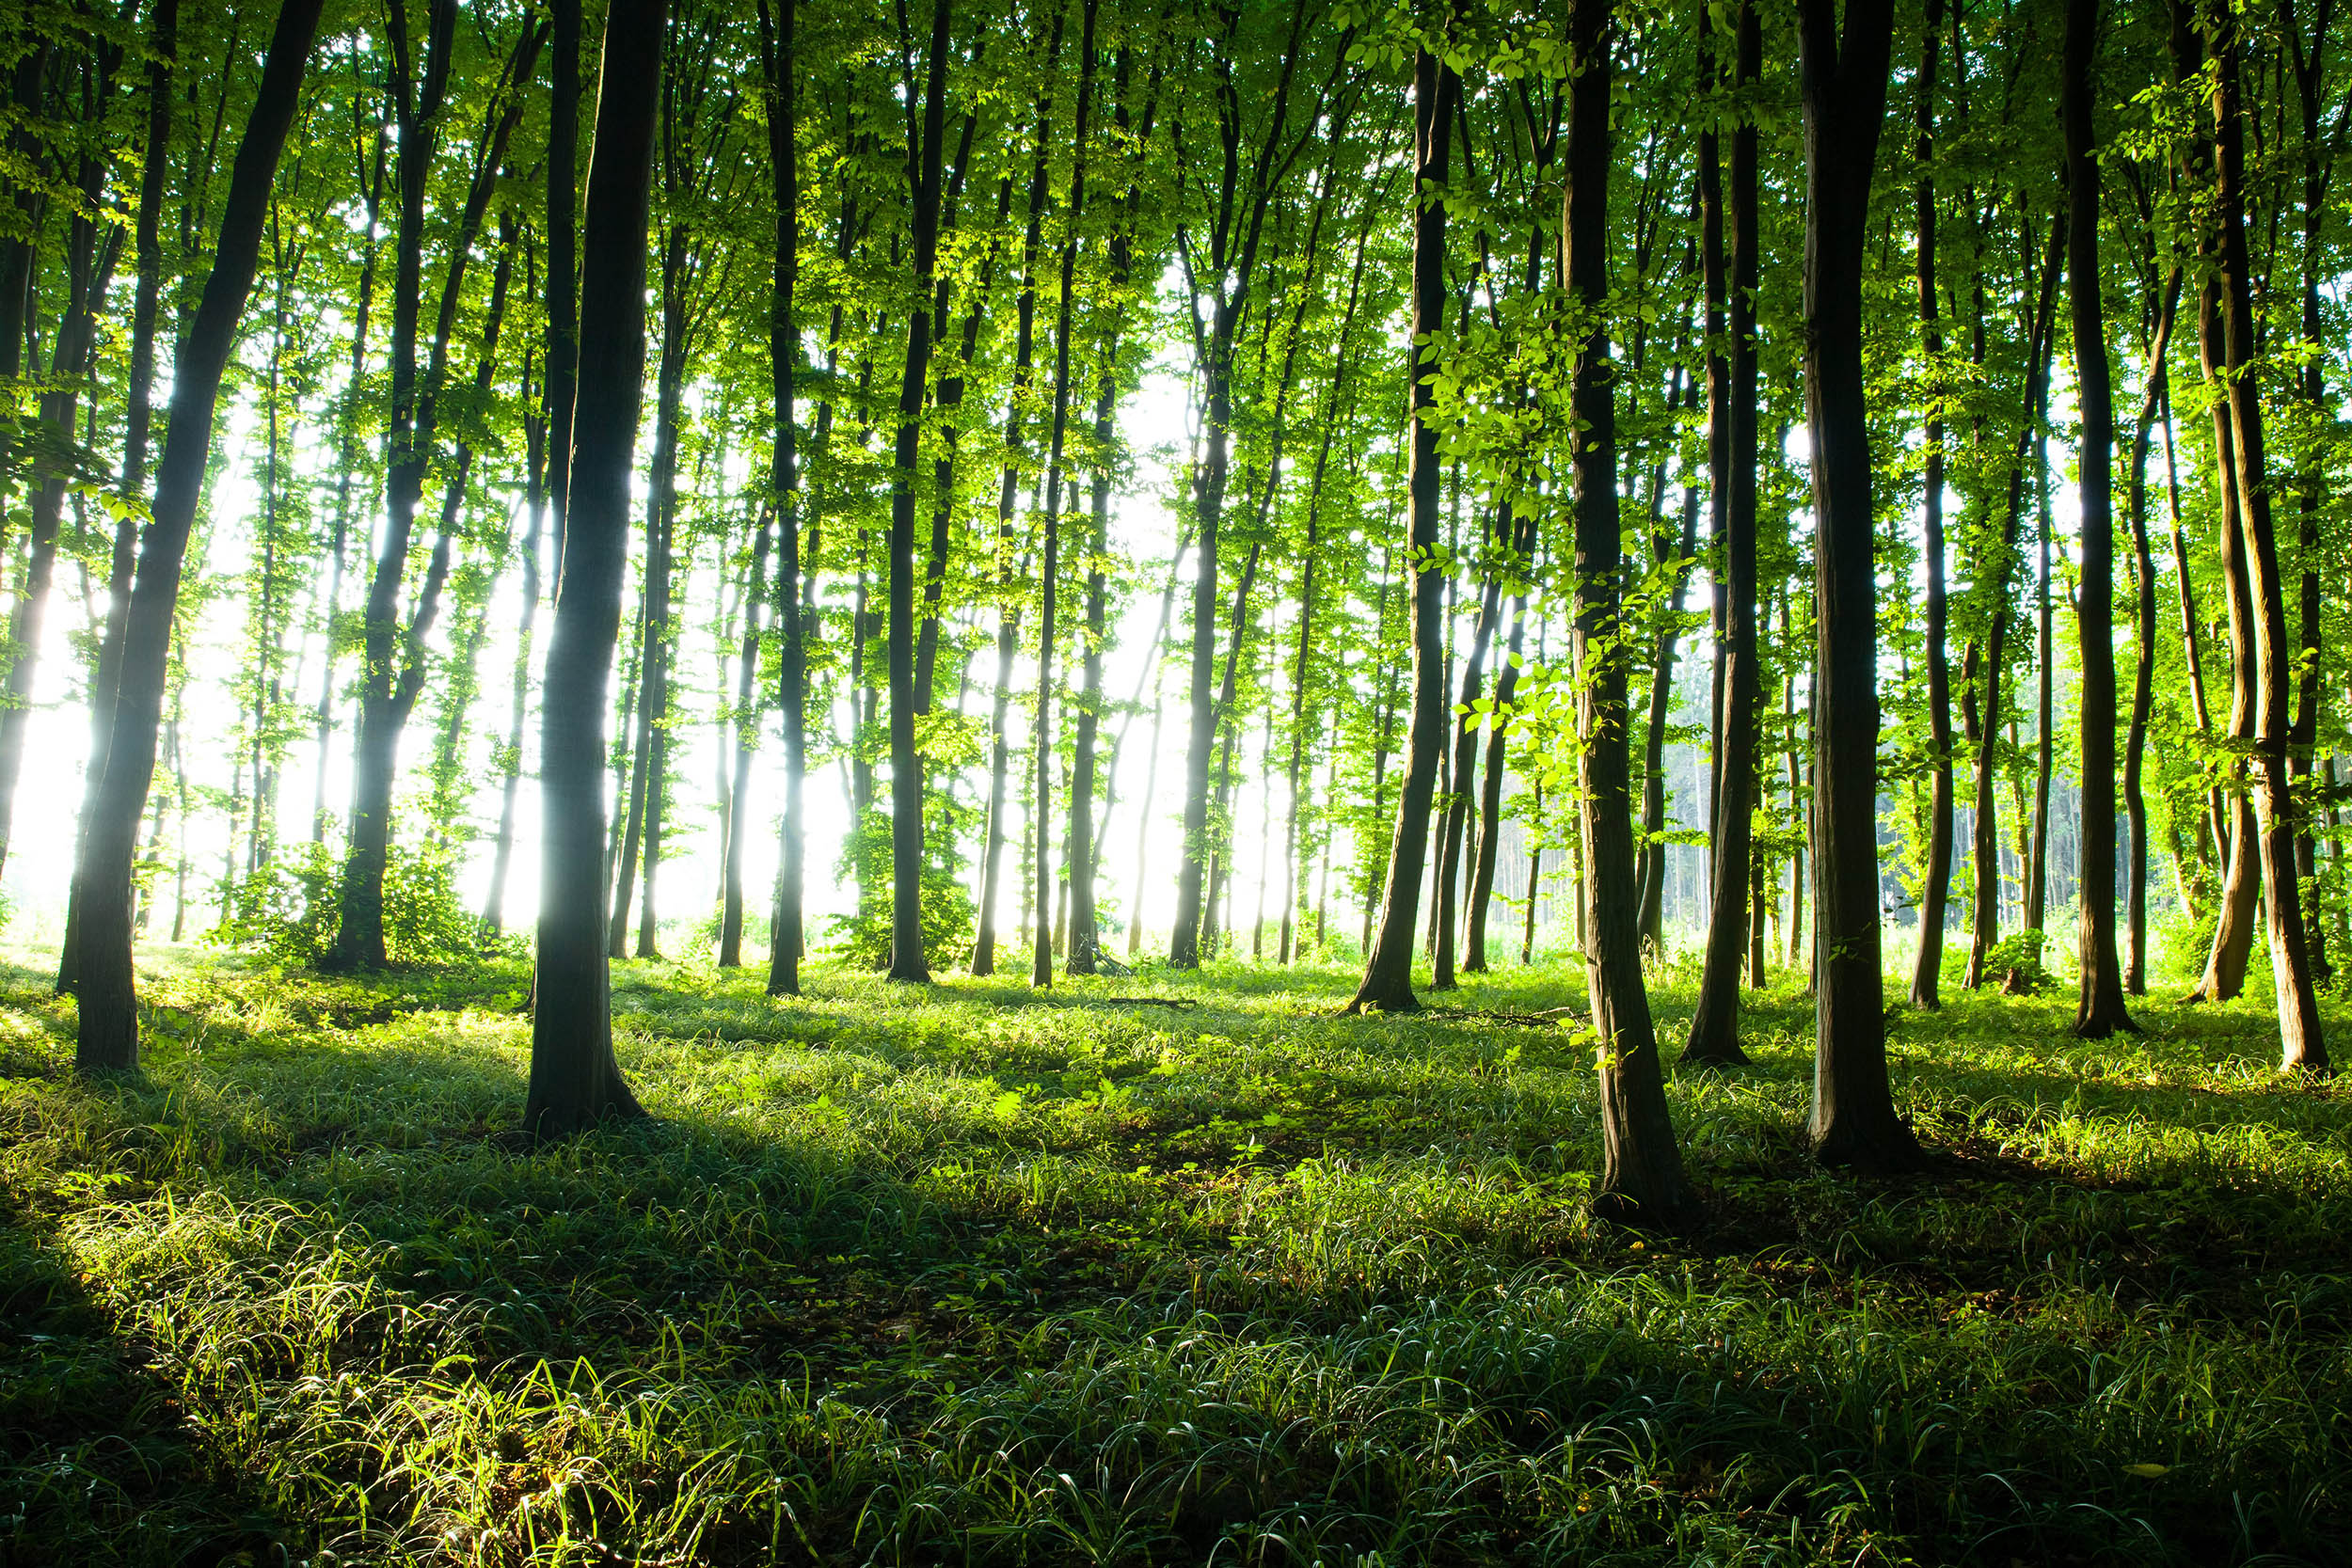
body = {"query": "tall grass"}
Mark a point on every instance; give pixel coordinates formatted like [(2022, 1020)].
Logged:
[(974, 1275)]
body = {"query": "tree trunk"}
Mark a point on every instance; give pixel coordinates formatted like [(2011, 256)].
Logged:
[(510, 787), (748, 711), (1855, 1122), (1731, 375), (2144, 648), (391, 668), (1388, 981), (574, 1079), (924, 160), (1642, 1180), (1926, 967), (776, 66), (1008, 607), (1985, 924), (2100, 1010), (2302, 1044), (1049, 573), (108, 1023), (122, 563)]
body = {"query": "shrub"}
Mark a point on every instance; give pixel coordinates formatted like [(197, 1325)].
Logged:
[(290, 912)]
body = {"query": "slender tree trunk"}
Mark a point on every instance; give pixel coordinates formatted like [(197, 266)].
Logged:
[(1845, 81), (1935, 884), (1049, 575), (1993, 578), (1009, 608), (1642, 1179), (1388, 981), (776, 66), (2100, 1010), (122, 563), (392, 672), (510, 787), (108, 1019), (2144, 648), (907, 961), (2302, 1043), (1731, 374), (748, 711), (1465, 747), (574, 1079)]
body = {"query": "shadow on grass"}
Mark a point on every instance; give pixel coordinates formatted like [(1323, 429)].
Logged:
[(921, 1326), (99, 1461)]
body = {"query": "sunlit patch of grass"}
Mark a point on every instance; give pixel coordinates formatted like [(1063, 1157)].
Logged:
[(977, 1273)]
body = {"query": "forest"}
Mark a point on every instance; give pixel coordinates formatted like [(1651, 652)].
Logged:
[(1292, 782)]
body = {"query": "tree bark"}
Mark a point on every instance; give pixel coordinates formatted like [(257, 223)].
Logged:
[(392, 672), (1844, 87), (1008, 607), (1993, 581), (1642, 1180), (122, 561), (574, 1079), (1731, 374), (2100, 1010), (1388, 980), (2144, 648), (776, 65), (2302, 1044), (1926, 967), (108, 1022), (925, 158)]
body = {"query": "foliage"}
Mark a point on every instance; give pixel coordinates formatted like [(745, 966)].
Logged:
[(288, 910), (860, 937)]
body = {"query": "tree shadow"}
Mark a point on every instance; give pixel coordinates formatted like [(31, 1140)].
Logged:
[(99, 1460)]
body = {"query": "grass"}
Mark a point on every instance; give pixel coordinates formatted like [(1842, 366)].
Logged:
[(976, 1276)]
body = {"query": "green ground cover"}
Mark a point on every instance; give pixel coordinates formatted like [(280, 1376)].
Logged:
[(978, 1275)]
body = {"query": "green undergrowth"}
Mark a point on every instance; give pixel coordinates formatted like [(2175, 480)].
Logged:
[(978, 1275)]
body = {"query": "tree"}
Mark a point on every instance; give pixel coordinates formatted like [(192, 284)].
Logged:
[(2100, 1011), (1388, 982), (1844, 89), (107, 1029), (1731, 463), (574, 1079)]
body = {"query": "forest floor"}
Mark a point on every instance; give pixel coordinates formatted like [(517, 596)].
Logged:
[(981, 1275)]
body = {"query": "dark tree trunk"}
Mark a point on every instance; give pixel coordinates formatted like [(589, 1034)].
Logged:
[(574, 1079), (1008, 605), (510, 787), (562, 305), (1926, 969), (2302, 1044), (2100, 1010), (108, 1027), (776, 62), (1855, 1121), (392, 671), (1226, 271), (1049, 572), (2311, 482), (1642, 1180), (1731, 374), (748, 711), (2144, 649), (1388, 982), (122, 561), (1465, 747), (1994, 577), (924, 162)]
